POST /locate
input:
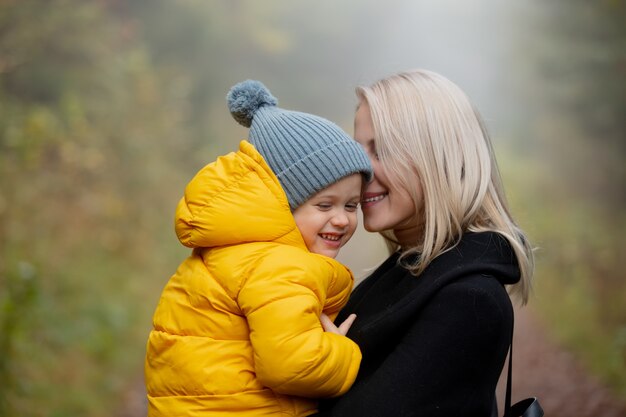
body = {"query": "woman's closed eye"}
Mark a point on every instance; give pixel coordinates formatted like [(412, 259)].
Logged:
[(371, 150)]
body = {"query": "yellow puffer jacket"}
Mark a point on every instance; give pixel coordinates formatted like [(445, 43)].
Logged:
[(237, 329)]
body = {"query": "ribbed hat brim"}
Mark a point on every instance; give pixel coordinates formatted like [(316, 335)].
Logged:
[(306, 152), (323, 168)]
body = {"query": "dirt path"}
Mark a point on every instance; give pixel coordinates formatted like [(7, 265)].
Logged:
[(541, 369), (545, 370)]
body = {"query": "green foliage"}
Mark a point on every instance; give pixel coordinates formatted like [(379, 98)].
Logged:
[(579, 285), (86, 140), (574, 179), (579, 99), (585, 278), (15, 306)]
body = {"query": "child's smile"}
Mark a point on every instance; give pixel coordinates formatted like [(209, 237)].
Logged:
[(329, 218)]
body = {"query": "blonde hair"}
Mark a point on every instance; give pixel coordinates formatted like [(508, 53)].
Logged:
[(427, 130)]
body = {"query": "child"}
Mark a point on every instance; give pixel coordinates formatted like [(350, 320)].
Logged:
[(237, 329)]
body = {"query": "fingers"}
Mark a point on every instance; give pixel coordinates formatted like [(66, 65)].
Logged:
[(330, 327), (328, 324), (345, 326)]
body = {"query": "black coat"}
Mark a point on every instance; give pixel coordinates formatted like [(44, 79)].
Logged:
[(433, 345)]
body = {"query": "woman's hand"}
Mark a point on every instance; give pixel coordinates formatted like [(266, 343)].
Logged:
[(343, 328)]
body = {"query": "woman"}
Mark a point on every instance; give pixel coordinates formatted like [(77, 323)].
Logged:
[(434, 321)]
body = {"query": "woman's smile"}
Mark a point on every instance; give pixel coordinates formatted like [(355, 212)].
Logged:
[(370, 199)]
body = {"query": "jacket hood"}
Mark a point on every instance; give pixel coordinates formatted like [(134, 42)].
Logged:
[(235, 199), (484, 252)]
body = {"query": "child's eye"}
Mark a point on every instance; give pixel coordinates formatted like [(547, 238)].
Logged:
[(324, 206), (352, 206)]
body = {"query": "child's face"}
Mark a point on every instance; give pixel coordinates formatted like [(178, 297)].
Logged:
[(328, 219)]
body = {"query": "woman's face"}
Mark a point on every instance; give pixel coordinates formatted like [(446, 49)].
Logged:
[(385, 206)]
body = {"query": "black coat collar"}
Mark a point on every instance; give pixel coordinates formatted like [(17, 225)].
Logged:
[(391, 295)]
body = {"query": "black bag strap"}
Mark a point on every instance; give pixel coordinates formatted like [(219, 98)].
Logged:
[(526, 408), (509, 378)]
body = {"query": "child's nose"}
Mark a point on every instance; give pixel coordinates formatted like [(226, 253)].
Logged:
[(340, 219)]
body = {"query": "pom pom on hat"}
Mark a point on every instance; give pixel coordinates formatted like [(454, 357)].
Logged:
[(245, 98), (306, 152)]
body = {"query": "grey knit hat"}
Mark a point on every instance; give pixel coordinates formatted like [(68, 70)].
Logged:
[(306, 152)]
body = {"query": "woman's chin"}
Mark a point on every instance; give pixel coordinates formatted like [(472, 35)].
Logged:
[(372, 226)]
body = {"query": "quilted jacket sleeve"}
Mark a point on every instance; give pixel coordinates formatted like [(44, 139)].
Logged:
[(292, 353)]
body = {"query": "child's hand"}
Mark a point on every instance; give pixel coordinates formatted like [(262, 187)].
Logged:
[(343, 328)]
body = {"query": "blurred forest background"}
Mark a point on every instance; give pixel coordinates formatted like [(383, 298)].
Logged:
[(109, 107)]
